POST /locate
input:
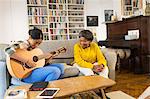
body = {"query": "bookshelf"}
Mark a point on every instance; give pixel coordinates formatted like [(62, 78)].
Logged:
[(58, 19), (131, 7)]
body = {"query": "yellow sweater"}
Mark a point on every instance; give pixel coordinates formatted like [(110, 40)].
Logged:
[(86, 57)]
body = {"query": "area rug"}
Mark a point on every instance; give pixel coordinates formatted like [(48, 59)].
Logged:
[(93, 95), (85, 95)]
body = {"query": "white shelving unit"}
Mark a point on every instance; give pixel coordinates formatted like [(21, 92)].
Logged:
[(58, 19), (75, 17), (131, 7)]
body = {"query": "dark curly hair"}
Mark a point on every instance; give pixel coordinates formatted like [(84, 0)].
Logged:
[(36, 33), (87, 34)]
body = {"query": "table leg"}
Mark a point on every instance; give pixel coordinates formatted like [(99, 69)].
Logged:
[(103, 93)]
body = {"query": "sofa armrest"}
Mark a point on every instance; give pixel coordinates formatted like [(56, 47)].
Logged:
[(3, 83), (111, 58)]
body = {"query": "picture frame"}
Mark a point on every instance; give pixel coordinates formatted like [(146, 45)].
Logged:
[(92, 20), (108, 14)]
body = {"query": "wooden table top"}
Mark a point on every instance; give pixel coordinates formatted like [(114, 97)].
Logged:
[(70, 86)]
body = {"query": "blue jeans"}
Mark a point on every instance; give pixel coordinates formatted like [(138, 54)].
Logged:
[(47, 73)]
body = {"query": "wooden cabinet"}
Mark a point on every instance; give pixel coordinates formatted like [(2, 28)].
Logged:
[(140, 48)]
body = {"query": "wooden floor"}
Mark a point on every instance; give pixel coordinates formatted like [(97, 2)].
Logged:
[(130, 83)]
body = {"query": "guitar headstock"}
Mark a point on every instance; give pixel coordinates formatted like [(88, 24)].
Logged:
[(62, 50)]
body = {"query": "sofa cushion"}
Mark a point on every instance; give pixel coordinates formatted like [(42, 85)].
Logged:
[(17, 82), (55, 44), (70, 71)]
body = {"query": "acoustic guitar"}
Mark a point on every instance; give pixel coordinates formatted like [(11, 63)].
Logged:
[(21, 70)]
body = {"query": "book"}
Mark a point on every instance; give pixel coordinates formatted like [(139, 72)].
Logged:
[(38, 86)]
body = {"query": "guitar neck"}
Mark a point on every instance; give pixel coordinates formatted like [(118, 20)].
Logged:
[(46, 55), (49, 55)]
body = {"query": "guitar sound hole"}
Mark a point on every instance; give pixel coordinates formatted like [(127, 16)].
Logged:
[(35, 59)]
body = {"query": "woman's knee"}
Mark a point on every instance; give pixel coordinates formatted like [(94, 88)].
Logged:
[(53, 75), (59, 66), (105, 72), (54, 70)]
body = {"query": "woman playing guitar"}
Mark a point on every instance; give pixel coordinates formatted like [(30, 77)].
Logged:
[(48, 72)]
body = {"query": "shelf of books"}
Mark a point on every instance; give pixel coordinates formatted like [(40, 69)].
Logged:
[(131, 7), (75, 17), (58, 19)]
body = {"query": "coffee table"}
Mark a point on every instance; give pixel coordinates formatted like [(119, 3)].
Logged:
[(70, 86)]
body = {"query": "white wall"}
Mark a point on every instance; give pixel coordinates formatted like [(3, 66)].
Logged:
[(13, 20), (19, 19), (5, 20), (117, 8), (96, 8)]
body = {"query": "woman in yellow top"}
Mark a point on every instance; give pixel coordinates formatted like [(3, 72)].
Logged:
[(88, 56)]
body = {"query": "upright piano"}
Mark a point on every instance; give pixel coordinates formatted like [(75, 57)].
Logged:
[(140, 48)]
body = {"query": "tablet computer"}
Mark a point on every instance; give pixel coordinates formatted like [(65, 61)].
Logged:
[(48, 93)]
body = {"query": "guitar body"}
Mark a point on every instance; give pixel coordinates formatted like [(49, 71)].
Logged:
[(17, 68)]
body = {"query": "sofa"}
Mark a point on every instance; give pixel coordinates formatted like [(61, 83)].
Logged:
[(67, 58)]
